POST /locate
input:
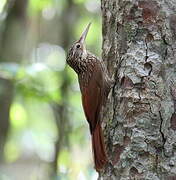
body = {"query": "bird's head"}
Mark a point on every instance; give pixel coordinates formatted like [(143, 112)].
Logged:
[(78, 52)]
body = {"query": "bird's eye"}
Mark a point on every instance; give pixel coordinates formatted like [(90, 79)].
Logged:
[(78, 46)]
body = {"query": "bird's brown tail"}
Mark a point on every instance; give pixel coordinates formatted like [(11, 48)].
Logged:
[(98, 147)]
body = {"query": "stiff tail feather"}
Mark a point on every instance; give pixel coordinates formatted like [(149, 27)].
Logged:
[(98, 147)]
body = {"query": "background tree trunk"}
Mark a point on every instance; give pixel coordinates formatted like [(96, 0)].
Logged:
[(61, 109), (139, 47), (11, 50)]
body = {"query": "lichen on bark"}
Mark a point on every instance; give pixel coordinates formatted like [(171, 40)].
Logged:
[(139, 48)]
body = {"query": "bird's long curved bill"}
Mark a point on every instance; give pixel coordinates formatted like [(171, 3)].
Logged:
[(84, 34)]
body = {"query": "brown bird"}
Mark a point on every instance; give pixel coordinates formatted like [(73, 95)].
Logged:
[(94, 85)]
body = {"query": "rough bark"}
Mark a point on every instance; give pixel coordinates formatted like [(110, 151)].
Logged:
[(139, 47)]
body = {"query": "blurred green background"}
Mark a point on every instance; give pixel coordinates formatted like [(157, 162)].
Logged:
[(43, 131)]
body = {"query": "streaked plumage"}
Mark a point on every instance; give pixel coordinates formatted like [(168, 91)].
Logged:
[(95, 85)]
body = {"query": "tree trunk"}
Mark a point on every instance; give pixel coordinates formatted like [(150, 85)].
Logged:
[(6, 96), (61, 109), (11, 50), (139, 47)]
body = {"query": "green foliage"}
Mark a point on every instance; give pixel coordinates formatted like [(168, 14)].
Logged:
[(64, 158), (39, 82), (2, 4), (42, 84), (36, 6), (79, 1), (18, 116), (12, 152)]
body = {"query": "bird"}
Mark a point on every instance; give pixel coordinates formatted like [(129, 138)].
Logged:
[(94, 85)]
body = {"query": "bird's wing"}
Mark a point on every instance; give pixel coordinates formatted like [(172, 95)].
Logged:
[(92, 98)]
